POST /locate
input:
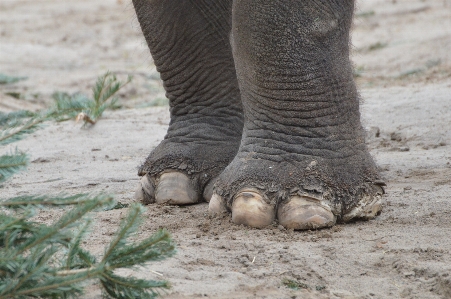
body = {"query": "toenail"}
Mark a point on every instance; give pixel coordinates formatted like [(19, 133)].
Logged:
[(208, 190), (249, 208), (175, 188), (217, 205), (302, 212), (145, 191)]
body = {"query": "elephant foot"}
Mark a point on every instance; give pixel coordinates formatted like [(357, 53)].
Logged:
[(172, 188), (298, 200), (182, 173)]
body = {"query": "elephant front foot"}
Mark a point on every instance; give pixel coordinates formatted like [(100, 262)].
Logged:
[(183, 173), (300, 197)]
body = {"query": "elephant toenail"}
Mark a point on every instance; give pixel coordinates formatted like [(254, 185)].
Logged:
[(175, 188), (249, 208), (217, 205), (208, 190), (301, 213), (145, 191)]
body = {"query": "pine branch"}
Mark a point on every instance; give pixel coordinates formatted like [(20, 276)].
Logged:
[(52, 287), (101, 87), (15, 116), (87, 109), (35, 266), (15, 126), (67, 106), (18, 130), (15, 230), (105, 88), (128, 226), (38, 260), (129, 287), (5, 79), (157, 247), (11, 164), (41, 201), (77, 258), (53, 233)]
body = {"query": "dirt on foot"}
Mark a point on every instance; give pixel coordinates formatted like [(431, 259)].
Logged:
[(402, 59)]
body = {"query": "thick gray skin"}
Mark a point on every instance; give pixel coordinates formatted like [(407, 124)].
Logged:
[(302, 132)]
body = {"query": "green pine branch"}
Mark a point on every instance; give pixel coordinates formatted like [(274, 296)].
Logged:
[(5, 79), (38, 260), (43, 201), (130, 287), (11, 164), (68, 106), (18, 129), (11, 117), (88, 109), (16, 125)]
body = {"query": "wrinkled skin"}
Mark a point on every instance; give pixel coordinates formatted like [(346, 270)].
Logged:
[(265, 119)]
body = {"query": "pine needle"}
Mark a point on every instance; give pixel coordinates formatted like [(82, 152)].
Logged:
[(67, 221)]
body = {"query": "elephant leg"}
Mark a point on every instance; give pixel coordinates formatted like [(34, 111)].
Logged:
[(189, 42), (302, 157)]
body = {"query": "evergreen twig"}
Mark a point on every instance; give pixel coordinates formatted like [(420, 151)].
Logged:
[(5, 79), (11, 164), (17, 130), (11, 117), (47, 261), (87, 109)]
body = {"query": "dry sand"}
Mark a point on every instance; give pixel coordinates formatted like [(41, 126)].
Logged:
[(403, 67)]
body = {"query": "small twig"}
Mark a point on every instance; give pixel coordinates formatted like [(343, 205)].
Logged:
[(253, 260), (25, 127), (157, 273), (83, 116)]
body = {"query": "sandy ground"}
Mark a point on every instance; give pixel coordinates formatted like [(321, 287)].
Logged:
[(403, 68)]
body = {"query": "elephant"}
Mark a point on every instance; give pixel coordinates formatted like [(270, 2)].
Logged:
[(264, 112)]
